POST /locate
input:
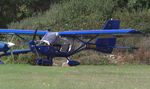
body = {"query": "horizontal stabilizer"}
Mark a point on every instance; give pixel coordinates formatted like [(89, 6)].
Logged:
[(125, 47)]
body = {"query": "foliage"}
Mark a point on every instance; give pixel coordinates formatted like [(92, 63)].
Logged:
[(16, 10), (91, 14), (133, 4), (69, 15)]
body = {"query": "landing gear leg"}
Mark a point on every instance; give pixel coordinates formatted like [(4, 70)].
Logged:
[(44, 62), (50, 60), (68, 59), (1, 62)]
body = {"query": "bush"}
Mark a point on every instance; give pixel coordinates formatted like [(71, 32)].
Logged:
[(16, 10), (74, 14), (137, 19), (134, 56)]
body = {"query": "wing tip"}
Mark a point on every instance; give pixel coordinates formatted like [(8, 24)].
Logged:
[(135, 32)]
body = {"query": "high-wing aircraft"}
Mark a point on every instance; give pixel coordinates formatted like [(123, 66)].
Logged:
[(67, 43)]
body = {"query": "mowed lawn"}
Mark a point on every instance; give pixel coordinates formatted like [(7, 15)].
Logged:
[(80, 77)]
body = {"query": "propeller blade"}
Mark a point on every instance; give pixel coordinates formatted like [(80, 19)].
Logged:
[(34, 36)]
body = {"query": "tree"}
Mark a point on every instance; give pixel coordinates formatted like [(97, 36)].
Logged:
[(16, 10)]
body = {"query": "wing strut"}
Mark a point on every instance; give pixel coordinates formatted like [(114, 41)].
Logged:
[(84, 44)]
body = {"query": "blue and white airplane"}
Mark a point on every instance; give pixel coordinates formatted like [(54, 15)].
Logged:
[(67, 43)]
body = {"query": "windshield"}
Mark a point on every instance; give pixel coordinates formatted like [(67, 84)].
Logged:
[(50, 37)]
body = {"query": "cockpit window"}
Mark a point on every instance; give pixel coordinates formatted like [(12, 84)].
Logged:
[(50, 37)]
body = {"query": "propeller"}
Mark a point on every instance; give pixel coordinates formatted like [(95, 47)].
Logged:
[(35, 33), (34, 44)]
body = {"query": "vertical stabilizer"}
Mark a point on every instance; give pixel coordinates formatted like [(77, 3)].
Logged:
[(112, 24)]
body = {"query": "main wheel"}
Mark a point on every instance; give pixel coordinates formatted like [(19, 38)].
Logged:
[(44, 62), (1, 62), (73, 63)]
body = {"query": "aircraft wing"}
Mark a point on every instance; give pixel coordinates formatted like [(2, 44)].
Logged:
[(15, 52), (91, 33), (21, 31)]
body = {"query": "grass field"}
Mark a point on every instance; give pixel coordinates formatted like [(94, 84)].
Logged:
[(80, 77)]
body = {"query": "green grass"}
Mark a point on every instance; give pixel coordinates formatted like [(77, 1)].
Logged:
[(81, 77)]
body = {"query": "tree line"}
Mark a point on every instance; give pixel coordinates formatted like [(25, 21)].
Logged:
[(16, 10)]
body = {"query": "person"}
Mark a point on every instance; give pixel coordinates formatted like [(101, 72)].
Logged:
[(53, 39)]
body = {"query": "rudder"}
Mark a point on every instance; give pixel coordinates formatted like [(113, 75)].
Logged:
[(105, 45), (112, 24)]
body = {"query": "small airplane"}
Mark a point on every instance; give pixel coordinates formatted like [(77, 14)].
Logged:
[(67, 43)]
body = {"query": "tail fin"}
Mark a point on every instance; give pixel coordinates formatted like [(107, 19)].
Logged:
[(106, 45), (112, 24)]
